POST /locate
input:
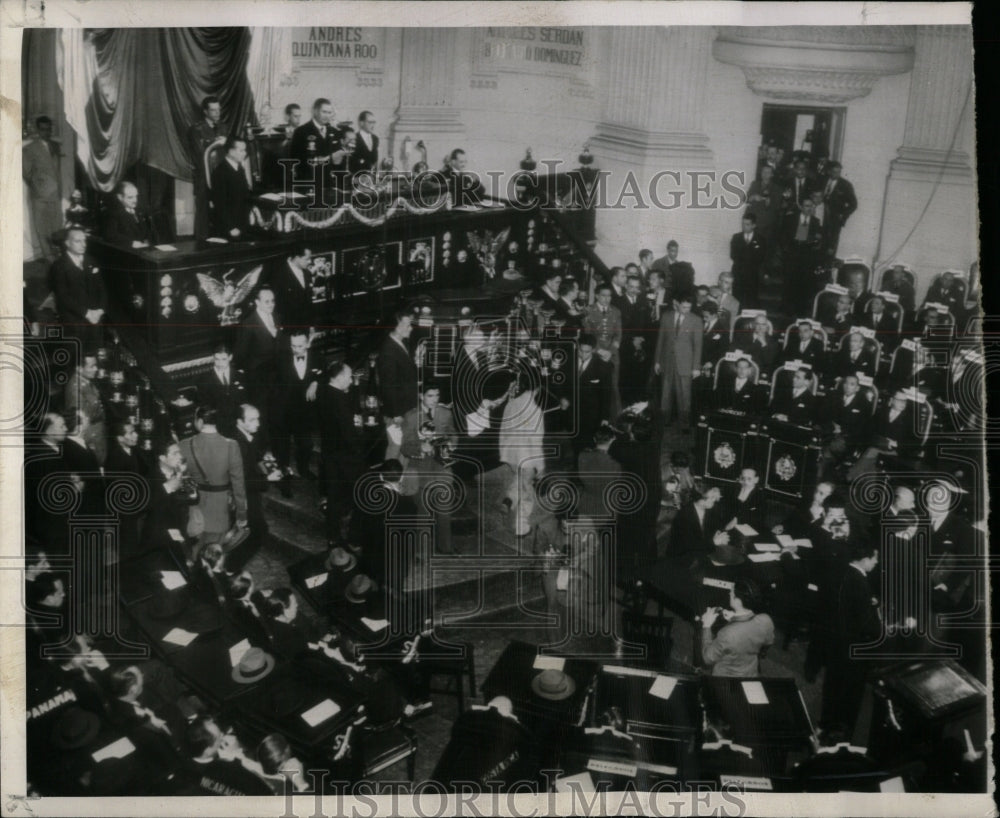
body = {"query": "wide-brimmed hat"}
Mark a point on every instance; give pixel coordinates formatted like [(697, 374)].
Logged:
[(727, 555), (554, 685), (254, 665), (359, 588), (339, 558), (76, 728)]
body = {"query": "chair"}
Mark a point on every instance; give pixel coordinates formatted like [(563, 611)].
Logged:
[(936, 324), (785, 373), (911, 279), (382, 747), (872, 345), (729, 362), (456, 667), (653, 633), (856, 275), (825, 303), (892, 308), (742, 327), (215, 153), (818, 330)]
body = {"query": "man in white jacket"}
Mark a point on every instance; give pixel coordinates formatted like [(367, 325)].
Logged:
[(522, 431)]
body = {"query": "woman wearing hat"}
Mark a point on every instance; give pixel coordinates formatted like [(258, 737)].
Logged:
[(736, 649)]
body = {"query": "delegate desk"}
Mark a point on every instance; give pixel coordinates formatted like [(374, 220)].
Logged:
[(186, 297), (550, 709), (662, 714)]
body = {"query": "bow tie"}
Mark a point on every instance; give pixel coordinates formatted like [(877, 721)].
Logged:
[(299, 358)]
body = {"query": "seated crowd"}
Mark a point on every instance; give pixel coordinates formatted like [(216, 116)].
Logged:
[(587, 379)]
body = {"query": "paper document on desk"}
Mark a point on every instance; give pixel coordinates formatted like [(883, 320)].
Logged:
[(746, 530), (663, 687), (236, 651), (549, 662), (754, 691), (172, 579), (326, 709), (179, 636), (166, 248)]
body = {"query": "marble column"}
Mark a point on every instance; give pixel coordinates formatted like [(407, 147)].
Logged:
[(934, 167), (653, 123), (427, 94)]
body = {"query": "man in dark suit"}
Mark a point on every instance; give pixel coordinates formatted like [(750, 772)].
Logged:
[(82, 393), (231, 192), (693, 531), (81, 460), (856, 620), (257, 347), (678, 357), (299, 375), (204, 132), (637, 343), (878, 317), (716, 336), (593, 392), (895, 433), (805, 346), (803, 234), (342, 452), (365, 156), (548, 292), (761, 347), (223, 387), (839, 202), (169, 503), (465, 188), (125, 226), (256, 482), (426, 429), (397, 371), (737, 392), (317, 142), (854, 357), (747, 506), (794, 403), (747, 251), (123, 458), (291, 279), (800, 184), (80, 295), (848, 420)]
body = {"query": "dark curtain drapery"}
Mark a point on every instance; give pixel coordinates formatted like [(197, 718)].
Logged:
[(137, 91)]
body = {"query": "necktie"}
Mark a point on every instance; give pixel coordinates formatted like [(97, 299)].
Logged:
[(225, 378), (829, 187), (746, 237), (677, 323)]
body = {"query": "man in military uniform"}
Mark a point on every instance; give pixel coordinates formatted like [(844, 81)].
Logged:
[(203, 133), (604, 322), (215, 462)]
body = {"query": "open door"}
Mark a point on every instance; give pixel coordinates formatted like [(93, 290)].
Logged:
[(816, 131)]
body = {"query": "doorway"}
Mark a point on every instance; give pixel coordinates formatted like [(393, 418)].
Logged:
[(816, 131)]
